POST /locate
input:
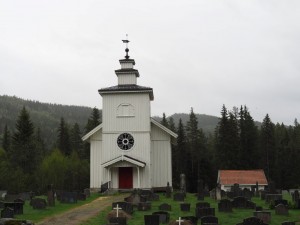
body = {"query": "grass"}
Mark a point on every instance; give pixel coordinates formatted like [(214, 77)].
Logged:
[(36, 215), (233, 218)]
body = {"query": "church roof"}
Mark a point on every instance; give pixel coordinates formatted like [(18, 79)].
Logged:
[(250, 177), (127, 71), (127, 88), (124, 158)]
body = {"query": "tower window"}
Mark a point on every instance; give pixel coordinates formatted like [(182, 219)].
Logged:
[(125, 109)]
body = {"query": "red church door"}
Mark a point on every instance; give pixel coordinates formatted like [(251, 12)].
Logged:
[(125, 178)]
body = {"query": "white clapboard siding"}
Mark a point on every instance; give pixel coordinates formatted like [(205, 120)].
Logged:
[(95, 167), (161, 164), (140, 121), (127, 79)]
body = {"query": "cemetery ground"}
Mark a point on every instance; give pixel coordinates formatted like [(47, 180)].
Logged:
[(225, 218), (68, 213), (94, 210)]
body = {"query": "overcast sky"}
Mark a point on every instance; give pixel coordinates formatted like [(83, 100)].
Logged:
[(194, 53)]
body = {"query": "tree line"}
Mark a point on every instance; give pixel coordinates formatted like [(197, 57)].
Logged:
[(236, 144), (26, 164)]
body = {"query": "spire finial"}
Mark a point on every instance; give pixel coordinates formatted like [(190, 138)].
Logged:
[(126, 50)]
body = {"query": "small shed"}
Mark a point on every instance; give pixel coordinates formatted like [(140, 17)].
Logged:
[(245, 179)]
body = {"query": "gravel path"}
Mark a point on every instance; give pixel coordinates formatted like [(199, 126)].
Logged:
[(82, 213)]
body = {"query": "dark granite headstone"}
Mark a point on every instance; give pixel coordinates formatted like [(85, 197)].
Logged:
[(252, 221), (288, 223), (200, 212), (118, 220), (182, 183), (281, 201), (135, 198), (192, 219), (125, 206), (296, 196), (185, 207), (209, 220), (151, 219), (247, 193), (202, 205), (242, 203), (16, 206), (225, 205), (68, 197), (164, 217), (7, 212), (165, 207), (179, 197), (144, 206), (168, 191), (38, 203), (281, 209), (265, 216)]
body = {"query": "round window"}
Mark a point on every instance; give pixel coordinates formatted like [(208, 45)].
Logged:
[(125, 141)]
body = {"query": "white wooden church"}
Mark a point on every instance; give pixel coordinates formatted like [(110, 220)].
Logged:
[(129, 149)]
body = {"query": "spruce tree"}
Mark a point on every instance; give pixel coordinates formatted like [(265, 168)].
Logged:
[(75, 139), (23, 153), (6, 142), (63, 141), (164, 121), (171, 123), (268, 147), (93, 121)]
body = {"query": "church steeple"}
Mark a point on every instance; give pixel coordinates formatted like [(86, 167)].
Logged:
[(127, 75)]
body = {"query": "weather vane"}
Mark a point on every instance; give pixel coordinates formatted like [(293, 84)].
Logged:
[(126, 50)]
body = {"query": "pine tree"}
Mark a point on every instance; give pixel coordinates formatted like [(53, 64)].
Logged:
[(6, 142), (268, 147), (171, 123), (75, 139), (93, 121), (23, 153), (63, 141), (164, 121)]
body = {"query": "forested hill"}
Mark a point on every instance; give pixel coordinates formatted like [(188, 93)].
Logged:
[(47, 117), (206, 122), (43, 115)]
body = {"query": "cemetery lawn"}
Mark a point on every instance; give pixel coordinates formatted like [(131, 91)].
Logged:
[(36, 215), (233, 218)]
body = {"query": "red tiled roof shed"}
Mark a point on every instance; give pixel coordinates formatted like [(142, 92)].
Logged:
[(230, 177)]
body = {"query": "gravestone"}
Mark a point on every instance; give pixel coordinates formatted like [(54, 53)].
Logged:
[(104, 187), (200, 191), (16, 206), (236, 190), (272, 197), (296, 196), (164, 217), (87, 192), (202, 205), (165, 207), (242, 203), (68, 197), (11, 197), (258, 208), (281, 201), (218, 192), (179, 197), (7, 212), (193, 219), (225, 205), (265, 216), (151, 219), (256, 189), (200, 212), (185, 207), (144, 206), (212, 194), (118, 220), (281, 209), (252, 221), (38, 203), (26, 196), (126, 206), (182, 183), (288, 223), (135, 198), (50, 195), (247, 193), (168, 191), (209, 220)]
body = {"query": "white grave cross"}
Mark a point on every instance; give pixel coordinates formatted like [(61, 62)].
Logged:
[(179, 221), (117, 208)]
